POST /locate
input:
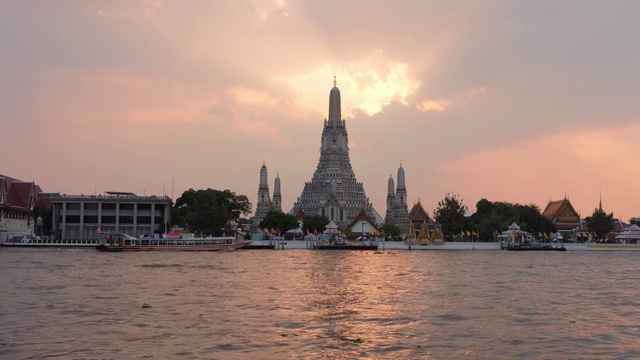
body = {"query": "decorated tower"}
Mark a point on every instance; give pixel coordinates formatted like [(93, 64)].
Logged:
[(264, 201), (277, 196), (334, 191)]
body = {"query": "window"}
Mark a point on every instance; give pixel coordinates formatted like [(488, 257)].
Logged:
[(73, 206), (108, 206), (108, 219), (144, 206), (73, 219), (144, 219), (90, 219), (126, 220), (126, 206), (91, 206)]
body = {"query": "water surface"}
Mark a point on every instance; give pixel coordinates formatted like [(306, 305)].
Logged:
[(84, 304)]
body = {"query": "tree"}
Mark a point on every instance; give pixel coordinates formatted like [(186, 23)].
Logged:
[(496, 217), (600, 223), (314, 223), (391, 232), (280, 221), (209, 211), (450, 215)]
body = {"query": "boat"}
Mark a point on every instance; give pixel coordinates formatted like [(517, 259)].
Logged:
[(28, 241), (116, 242)]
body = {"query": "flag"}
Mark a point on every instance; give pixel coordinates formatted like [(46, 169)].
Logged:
[(539, 234), (468, 233), (308, 232), (578, 234), (377, 233), (475, 233), (545, 235), (98, 230), (461, 233), (273, 231), (266, 231)]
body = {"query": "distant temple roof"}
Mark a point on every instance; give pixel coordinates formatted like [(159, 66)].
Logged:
[(418, 215), (562, 213)]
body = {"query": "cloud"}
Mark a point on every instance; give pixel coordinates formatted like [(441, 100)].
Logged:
[(459, 100), (578, 164), (370, 84)]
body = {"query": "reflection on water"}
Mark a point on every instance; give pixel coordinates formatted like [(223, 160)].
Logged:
[(315, 304)]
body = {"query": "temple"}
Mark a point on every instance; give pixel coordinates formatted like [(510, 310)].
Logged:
[(562, 214), (265, 204), (397, 209), (333, 191)]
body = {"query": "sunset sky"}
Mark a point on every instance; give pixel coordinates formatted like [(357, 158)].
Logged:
[(517, 101)]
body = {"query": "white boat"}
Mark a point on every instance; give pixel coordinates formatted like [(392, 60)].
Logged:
[(117, 242)]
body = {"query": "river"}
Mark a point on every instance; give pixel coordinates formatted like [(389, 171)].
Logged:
[(305, 304)]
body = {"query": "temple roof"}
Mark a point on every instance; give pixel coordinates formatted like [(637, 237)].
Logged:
[(561, 209), (19, 194), (362, 216), (419, 215)]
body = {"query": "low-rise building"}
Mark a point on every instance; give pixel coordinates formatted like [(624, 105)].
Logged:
[(82, 216), (17, 201)]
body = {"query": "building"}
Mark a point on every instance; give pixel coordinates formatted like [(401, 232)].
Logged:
[(77, 217), (362, 225), (562, 214), (334, 191), (397, 209), (17, 201), (265, 204)]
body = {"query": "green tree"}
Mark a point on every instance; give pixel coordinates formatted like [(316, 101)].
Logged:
[(314, 223), (280, 221), (209, 211), (450, 215), (600, 223), (495, 217), (391, 232), (531, 219)]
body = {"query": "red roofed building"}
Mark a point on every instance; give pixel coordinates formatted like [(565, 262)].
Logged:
[(562, 214), (17, 200), (362, 225)]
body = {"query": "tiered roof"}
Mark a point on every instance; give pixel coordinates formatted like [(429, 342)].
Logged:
[(418, 215), (562, 213)]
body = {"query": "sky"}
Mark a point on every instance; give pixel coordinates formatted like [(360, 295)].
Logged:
[(516, 101)]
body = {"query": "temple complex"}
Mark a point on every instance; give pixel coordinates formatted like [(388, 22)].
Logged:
[(334, 191)]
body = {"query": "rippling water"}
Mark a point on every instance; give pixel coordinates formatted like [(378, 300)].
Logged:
[(84, 304)]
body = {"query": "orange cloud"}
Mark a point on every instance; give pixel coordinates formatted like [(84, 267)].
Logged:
[(459, 100)]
